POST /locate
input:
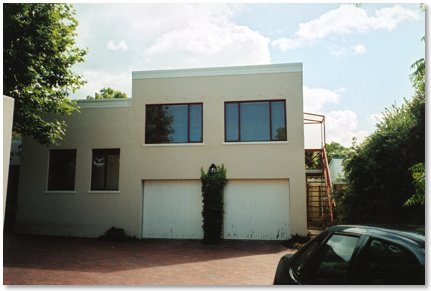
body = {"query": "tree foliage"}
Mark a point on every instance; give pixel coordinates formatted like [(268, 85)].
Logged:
[(378, 171), (336, 150), (418, 175), (212, 198), (108, 93), (39, 51)]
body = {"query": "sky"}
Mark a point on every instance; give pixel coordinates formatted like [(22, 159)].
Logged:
[(356, 59)]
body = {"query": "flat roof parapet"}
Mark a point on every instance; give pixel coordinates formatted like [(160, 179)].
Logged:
[(218, 71), (105, 103)]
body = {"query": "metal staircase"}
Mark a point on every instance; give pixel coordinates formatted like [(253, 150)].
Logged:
[(320, 204)]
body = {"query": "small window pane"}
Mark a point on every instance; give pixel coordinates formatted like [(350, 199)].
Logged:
[(278, 122), (195, 122), (180, 123), (232, 122), (112, 171), (158, 124), (388, 264), (105, 169), (254, 120), (335, 259), (62, 165)]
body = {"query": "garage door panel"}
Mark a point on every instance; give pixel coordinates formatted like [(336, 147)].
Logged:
[(253, 209), (172, 209), (257, 209)]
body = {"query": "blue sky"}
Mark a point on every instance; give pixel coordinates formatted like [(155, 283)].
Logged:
[(356, 60)]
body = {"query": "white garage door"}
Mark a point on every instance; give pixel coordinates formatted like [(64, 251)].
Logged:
[(257, 209), (172, 209)]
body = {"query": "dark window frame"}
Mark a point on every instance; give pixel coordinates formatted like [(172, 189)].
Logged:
[(270, 101), (188, 104), (107, 152), (49, 183)]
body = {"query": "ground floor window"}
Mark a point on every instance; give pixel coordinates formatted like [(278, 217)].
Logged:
[(105, 169), (62, 164)]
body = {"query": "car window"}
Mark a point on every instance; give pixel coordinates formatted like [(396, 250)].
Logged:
[(334, 259), (301, 260), (388, 264)]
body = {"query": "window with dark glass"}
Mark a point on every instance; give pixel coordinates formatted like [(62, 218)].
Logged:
[(388, 264), (105, 169), (176, 123), (61, 176), (255, 121), (334, 260)]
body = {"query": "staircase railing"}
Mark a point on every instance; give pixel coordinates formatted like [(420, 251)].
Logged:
[(328, 183)]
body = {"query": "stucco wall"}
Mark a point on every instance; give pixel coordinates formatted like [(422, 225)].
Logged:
[(8, 105), (85, 213)]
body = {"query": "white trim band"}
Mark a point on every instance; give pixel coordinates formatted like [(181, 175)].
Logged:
[(105, 103), (219, 71)]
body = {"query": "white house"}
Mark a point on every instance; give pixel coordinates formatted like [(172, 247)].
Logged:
[(135, 163)]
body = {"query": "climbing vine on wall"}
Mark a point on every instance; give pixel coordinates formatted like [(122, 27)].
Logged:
[(213, 183)]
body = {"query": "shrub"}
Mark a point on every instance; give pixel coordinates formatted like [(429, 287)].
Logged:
[(116, 234), (296, 241)]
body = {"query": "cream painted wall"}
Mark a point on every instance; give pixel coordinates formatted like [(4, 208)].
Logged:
[(85, 213), (8, 105)]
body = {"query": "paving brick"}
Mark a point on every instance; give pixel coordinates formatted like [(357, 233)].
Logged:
[(42, 260)]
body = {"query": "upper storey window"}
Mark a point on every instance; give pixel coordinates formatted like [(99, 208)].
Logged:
[(174, 123), (249, 121)]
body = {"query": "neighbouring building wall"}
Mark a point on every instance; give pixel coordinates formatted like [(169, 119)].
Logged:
[(8, 105), (121, 124), (82, 212)]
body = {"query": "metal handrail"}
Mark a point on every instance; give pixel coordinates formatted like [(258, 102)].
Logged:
[(328, 183)]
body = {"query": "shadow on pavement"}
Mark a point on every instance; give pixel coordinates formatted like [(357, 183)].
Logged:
[(93, 255)]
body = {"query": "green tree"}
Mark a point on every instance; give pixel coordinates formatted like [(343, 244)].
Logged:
[(379, 171), (39, 51), (108, 93), (418, 175), (336, 150)]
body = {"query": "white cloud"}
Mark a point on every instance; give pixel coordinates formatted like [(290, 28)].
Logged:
[(342, 127), (211, 41), (336, 50), (164, 36), (344, 20), (120, 46), (97, 80), (316, 98), (359, 49)]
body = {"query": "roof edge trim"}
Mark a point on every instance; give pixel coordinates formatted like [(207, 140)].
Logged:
[(105, 103), (219, 71)]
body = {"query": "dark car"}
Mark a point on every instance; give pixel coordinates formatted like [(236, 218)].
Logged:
[(357, 255)]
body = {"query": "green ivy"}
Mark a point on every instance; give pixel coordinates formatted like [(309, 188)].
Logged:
[(212, 198)]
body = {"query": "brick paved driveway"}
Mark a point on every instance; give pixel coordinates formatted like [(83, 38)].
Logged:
[(38, 260)]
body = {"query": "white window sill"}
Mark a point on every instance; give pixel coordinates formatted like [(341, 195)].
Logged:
[(104, 192), (60, 192), (172, 144), (255, 142)]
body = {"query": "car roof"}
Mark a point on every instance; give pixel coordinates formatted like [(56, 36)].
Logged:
[(412, 232)]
